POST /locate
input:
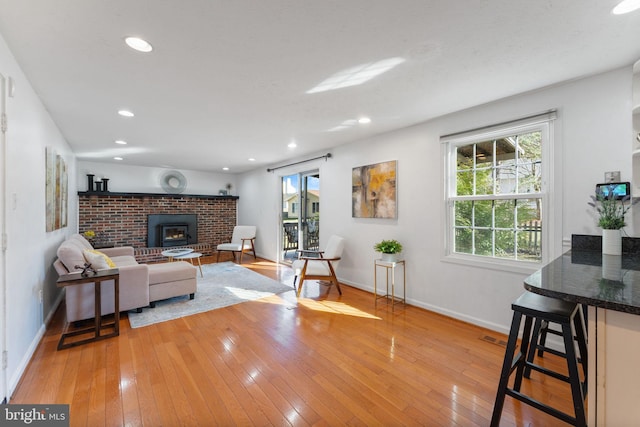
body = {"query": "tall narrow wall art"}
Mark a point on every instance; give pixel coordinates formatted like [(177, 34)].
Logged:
[(56, 188), (374, 191)]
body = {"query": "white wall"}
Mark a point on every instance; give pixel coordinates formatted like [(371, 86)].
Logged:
[(592, 135), (125, 178), (31, 250)]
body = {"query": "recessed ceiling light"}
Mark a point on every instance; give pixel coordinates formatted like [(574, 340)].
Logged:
[(121, 142), (118, 158), (252, 159), (292, 145), (225, 168), (125, 113), (364, 120), (626, 6), (138, 44)]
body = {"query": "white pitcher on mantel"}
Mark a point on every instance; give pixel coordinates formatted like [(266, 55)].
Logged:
[(612, 242)]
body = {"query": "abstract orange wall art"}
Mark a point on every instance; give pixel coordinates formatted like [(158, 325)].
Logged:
[(374, 191)]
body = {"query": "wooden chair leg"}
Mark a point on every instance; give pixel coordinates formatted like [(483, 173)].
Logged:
[(331, 278), (334, 278), (302, 278), (338, 286)]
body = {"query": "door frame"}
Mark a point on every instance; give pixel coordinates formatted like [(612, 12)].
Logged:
[(3, 239), (302, 190)]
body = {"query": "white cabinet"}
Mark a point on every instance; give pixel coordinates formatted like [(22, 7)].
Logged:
[(614, 372)]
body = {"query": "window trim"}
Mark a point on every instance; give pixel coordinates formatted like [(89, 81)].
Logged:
[(541, 122)]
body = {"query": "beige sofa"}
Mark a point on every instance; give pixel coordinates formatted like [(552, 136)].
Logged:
[(140, 284)]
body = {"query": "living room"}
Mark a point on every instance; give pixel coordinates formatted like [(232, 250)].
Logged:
[(592, 134)]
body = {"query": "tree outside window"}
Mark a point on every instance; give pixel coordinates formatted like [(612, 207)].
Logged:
[(497, 197)]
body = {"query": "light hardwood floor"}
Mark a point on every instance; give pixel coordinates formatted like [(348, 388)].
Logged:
[(318, 360)]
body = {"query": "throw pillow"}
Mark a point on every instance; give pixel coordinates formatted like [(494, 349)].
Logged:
[(98, 260), (70, 253)]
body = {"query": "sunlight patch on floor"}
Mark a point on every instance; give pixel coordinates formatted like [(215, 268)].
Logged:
[(276, 299), (335, 307), (247, 294), (267, 265), (282, 272)]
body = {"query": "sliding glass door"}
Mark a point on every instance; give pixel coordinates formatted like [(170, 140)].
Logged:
[(300, 214)]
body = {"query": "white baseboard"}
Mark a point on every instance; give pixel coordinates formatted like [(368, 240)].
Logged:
[(55, 306), (17, 375), (15, 378)]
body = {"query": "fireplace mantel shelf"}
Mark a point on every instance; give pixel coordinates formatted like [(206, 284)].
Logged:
[(177, 196)]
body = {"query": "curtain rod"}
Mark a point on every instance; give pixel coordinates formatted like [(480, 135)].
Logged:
[(326, 156)]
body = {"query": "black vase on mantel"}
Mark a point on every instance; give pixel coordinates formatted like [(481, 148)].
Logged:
[(99, 186), (90, 183)]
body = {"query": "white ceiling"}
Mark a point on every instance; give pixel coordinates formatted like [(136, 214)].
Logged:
[(227, 79)]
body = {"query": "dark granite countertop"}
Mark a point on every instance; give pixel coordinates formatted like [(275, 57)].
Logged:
[(589, 277)]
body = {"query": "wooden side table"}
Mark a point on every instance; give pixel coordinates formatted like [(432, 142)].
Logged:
[(98, 329), (390, 267)]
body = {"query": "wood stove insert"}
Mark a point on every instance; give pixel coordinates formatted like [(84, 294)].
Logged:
[(166, 230)]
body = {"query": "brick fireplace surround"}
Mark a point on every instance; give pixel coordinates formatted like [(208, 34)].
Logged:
[(121, 218)]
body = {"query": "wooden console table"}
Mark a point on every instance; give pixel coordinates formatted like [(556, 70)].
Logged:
[(98, 329)]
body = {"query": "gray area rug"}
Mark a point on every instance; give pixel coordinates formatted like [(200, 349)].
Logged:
[(223, 284)]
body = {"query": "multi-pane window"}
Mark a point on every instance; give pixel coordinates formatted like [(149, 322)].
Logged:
[(315, 207), (496, 195)]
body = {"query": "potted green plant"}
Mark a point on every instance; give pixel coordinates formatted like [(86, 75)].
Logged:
[(390, 250), (611, 211)]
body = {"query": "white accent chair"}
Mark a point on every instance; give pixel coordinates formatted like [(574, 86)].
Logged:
[(241, 241), (320, 266)]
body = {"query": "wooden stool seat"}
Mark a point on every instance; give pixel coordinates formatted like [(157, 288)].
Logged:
[(569, 317)]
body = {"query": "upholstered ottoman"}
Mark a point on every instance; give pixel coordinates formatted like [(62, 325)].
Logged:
[(171, 279)]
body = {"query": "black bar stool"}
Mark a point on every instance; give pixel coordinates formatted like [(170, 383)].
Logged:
[(541, 328), (569, 316)]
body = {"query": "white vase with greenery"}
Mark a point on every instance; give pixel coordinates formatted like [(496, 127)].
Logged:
[(612, 242), (611, 210)]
